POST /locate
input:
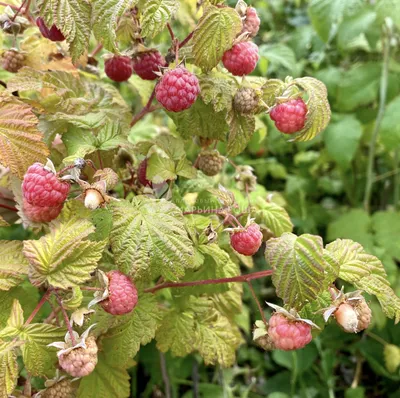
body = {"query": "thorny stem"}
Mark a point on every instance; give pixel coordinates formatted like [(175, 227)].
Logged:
[(147, 109), (96, 50), (381, 112), (171, 32), (38, 307), (240, 278), (66, 319), (8, 207), (253, 293)]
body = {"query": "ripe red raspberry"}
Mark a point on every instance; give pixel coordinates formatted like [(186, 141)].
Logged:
[(142, 174), (53, 34), (251, 23), (241, 59), (177, 90), (122, 292), (287, 334), (61, 389), (12, 61), (247, 242), (290, 116), (80, 362), (41, 213), (43, 188), (210, 162), (147, 63), (118, 68)]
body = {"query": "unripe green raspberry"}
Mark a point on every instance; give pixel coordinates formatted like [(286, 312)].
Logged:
[(12, 61), (246, 101), (210, 162), (62, 389)]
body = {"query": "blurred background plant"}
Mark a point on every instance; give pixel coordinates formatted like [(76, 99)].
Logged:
[(343, 184)]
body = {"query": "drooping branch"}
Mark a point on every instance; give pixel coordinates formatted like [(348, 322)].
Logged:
[(240, 278)]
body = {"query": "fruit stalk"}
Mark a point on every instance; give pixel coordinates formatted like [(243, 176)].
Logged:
[(38, 307), (147, 109), (240, 278), (66, 319)]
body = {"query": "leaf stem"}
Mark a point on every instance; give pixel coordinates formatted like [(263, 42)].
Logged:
[(378, 122), (100, 160), (253, 293), (66, 319), (184, 41), (240, 278), (171, 32), (96, 50), (19, 10), (147, 109), (38, 307), (8, 207)]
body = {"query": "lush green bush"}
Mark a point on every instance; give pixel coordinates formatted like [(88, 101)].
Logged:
[(199, 327)]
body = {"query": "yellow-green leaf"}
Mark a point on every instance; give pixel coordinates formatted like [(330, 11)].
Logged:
[(65, 257), (8, 367), (365, 272), (13, 264), (319, 111), (214, 35), (242, 128), (20, 140)]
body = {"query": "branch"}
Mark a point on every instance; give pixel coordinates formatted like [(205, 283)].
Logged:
[(147, 109), (66, 319), (240, 278), (38, 307), (184, 41), (253, 293)]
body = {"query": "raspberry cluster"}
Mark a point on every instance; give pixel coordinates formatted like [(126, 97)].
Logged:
[(123, 295), (118, 68), (43, 194), (287, 334), (53, 34), (247, 242), (145, 65), (12, 61), (290, 116), (80, 362), (177, 90)]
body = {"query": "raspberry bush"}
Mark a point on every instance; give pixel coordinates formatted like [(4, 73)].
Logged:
[(132, 219)]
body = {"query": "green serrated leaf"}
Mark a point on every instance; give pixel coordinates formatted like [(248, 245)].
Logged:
[(63, 258), (74, 299), (150, 235), (214, 35), (105, 17), (16, 319), (106, 381), (271, 89), (312, 311), (365, 272), (386, 225), (241, 129), (174, 147), (200, 120), (272, 216), (218, 89), (298, 267), (8, 367), (72, 17), (156, 14), (13, 265), (160, 168), (319, 111), (123, 341), (216, 338), (184, 168)]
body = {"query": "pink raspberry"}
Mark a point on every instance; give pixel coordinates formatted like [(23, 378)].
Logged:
[(147, 63), (122, 297), (247, 242), (251, 23), (43, 188), (41, 213), (118, 68), (178, 89), (288, 335), (53, 34), (290, 116), (241, 59), (142, 169), (80, 361)]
